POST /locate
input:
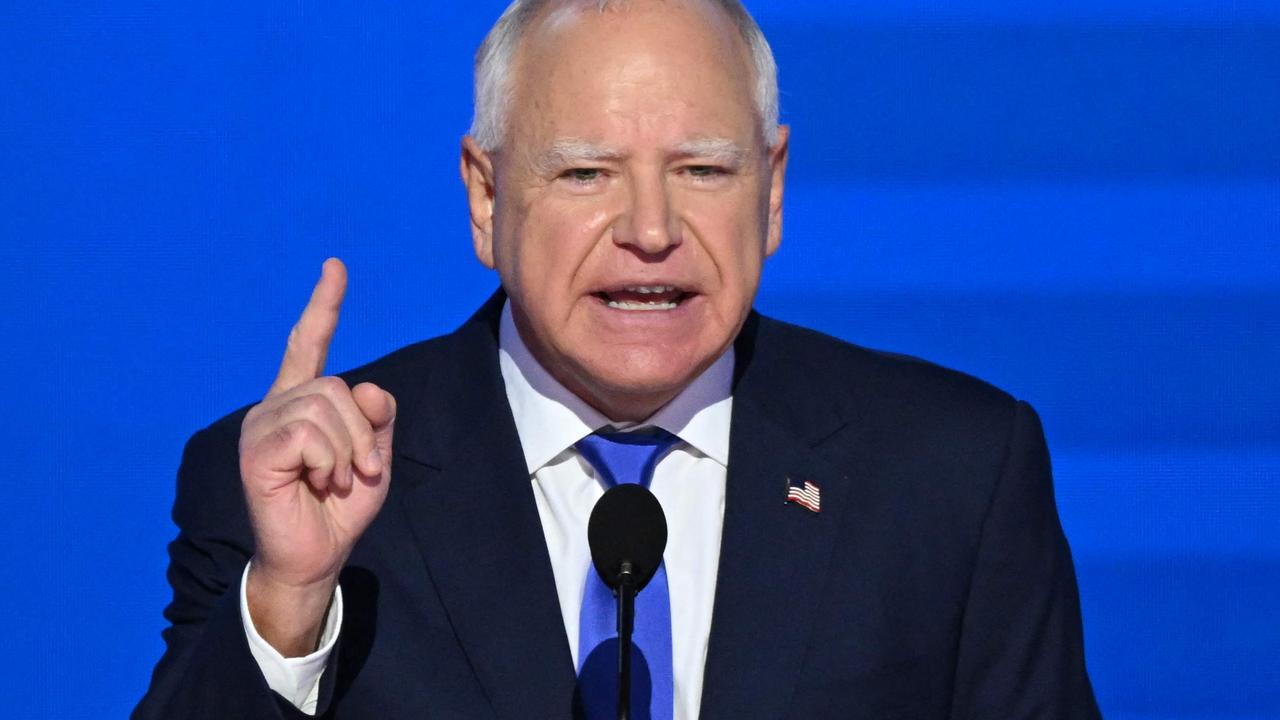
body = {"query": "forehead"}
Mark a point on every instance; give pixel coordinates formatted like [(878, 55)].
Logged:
[(659, 66)]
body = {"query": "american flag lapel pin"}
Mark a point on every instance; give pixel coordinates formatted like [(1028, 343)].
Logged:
[(805, 494)]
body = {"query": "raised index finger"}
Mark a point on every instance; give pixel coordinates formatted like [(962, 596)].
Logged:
[(309, 339)]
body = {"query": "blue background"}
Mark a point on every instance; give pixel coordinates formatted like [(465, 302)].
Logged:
[(1079, 201)]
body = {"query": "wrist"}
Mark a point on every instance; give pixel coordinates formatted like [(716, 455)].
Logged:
[(288, 616)]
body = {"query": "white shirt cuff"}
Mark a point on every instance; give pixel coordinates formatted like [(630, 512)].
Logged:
[(295, 679)]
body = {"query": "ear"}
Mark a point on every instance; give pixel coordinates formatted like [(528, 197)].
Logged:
[(476, 167), (778, 172)]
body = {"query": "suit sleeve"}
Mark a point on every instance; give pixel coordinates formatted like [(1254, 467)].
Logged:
[(1022, 647), (207, 670)]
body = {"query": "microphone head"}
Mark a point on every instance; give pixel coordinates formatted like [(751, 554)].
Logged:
[(627, 525)]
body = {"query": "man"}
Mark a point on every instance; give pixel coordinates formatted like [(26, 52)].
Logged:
[(852, 534)]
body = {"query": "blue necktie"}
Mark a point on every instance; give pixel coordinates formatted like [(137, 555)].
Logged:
[(626, 458)]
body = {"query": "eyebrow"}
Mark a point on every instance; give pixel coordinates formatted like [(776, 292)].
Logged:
[(567, 152), (570, 152), (721, 150)]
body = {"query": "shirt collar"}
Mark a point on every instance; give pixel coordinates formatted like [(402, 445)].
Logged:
[(550, 419)]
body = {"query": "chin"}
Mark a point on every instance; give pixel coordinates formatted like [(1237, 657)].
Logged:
[(638, 381)]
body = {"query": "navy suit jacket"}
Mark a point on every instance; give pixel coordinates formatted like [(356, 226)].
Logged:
[(934, 583)]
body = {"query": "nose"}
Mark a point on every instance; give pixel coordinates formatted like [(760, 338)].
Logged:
[(648, 224)]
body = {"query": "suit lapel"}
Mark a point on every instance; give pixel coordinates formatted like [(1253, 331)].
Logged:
[(774, 554), (463, 479), (470, 505)]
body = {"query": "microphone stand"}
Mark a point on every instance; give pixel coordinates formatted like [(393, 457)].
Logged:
[(626, 594)]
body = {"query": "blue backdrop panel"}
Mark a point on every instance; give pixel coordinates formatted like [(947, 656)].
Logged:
[(1078, 201)]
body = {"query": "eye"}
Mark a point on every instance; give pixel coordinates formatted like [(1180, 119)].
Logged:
[(706, 173), (583, 176)]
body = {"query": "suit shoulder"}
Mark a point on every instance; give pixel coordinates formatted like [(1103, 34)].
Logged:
[(399, 372), (938, 432), (848, 374), (403, 369)]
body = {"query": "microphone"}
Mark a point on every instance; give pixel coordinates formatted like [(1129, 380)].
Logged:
[(627, 527), (627, 534)]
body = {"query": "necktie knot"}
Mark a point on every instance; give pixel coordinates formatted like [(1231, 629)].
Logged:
[(626, 457)]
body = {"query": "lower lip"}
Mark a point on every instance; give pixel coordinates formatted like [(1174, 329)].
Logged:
[(681, 312)]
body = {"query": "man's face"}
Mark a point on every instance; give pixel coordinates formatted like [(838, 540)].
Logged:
[(633, 200)]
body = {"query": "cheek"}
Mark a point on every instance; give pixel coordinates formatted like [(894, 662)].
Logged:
[(509, 220), (735, 244), (552, 245)]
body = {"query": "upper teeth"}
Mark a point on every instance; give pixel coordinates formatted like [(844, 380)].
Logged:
[(646, 289)]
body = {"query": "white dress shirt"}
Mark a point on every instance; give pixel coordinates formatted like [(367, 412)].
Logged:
[(689, 482)]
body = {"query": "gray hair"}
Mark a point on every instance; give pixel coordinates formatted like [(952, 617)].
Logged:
[(494, 88)]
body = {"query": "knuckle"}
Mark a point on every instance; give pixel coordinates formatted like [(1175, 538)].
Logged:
[(259, 420), (332, 384), (314, 405), (297, 431)]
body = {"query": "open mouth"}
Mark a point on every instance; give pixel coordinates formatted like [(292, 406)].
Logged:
[(644, 298)]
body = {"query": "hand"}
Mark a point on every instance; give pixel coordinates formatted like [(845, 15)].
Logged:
[(315, 460)]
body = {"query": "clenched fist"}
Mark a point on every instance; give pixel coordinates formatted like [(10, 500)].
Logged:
[(315, 459)]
